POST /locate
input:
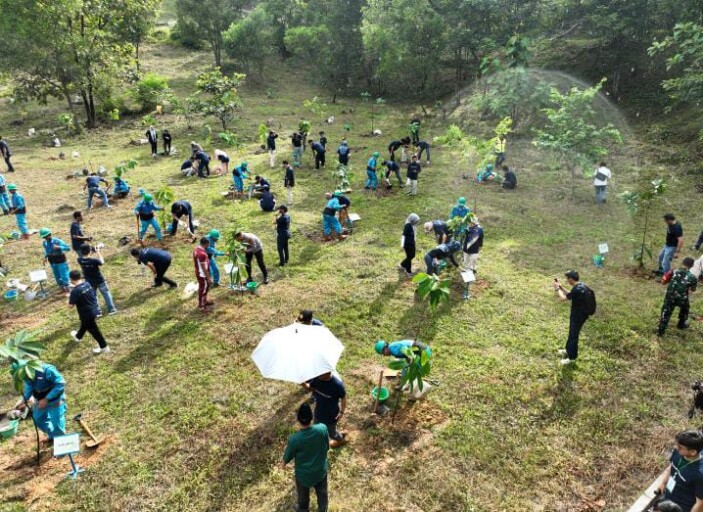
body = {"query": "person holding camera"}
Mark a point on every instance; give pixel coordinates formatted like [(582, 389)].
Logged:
[(93, 276), (583, 305), (682, 483)]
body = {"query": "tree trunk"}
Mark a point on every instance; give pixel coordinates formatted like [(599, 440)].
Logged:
[(136, 55), (644, 237), (216, 48)]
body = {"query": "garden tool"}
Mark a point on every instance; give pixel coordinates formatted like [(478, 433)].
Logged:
[(94, 441)]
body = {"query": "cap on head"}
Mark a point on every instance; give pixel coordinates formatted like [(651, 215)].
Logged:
[(462, 201), (12, 186), (379, 346), (572, 274), (148, 197), (214, 234), (337, 193), (244, 165), (376, 154), (44, 232)]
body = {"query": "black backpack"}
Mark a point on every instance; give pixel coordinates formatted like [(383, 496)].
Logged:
[(589, 301)]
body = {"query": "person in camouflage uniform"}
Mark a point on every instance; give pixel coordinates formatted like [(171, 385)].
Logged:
[(682, 283)]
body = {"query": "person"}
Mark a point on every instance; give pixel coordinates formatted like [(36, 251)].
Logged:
[(680, 286), (213, 237), (440, 253), (18, 208), (83, 298), (201, 260), (267, 201), (308, 447), (395, 146), (486, 174), (271, 147), (121, 189), (48, 390), (323, 139), (153, 138), (318, 151), (672, 246), (239, 174), (695, 247), (260, 183), (372, 164), (329, 219), (407, 242), (459, 210), (93, 275), (600, 182), (6, 154), (306, 317), (181, 209), (343, 152), (203, 160), (145, 213), (253, 249), (194, 148), (344, 203), (510, 179), (415, 129), (76, 231), (579, 297), (188, 168), (392, 167), (420, 148), (682, 482), (330, 403), (297, 141), (4, 197), (288, 181), (158, 262), (166, 137), (412, 174), (473, 241), (397, 349), (92, 183), (500, 150), (440, 229), (223, 158), (54, 250), (282, 222), (666, 506)]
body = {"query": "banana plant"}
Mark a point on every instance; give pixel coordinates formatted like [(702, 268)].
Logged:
[(164, 197), (235, 251), (433, 288)]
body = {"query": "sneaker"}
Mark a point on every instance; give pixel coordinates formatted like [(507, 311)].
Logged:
[(98, 350), (113, 312), (266, 281), (74, 335), (567, 361), (561, 351)]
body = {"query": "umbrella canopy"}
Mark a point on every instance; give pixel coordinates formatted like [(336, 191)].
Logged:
[(297, 353)]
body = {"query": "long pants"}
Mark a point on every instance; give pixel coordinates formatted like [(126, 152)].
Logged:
[(429, 263), (601, 193), (668, 310), (289, 199), (297, 155), (21, 219), (272, 158), (51, 420), (259, 261), (282, 246), (422, 150), (329, 223), (167, 148), (91, 326), (145, 224), (500, 158), (203, 169), (303, 492), (238, 183), (9, 164), (415, 137), (60, 271), (576, 322), (214, 270), (160, 277), (105, 292), (699, 242), (174, 224), (371, 179), (665, 257), (344, 159), (471, 261), (5, 202), (100, 193), (319, 159), (412, 187), (397, 175), (203, 288), (154, 147), (407, 263)]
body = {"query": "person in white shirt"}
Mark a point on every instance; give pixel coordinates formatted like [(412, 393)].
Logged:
[(600, 181)]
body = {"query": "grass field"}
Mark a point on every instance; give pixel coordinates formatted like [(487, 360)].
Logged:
[(191, 424)]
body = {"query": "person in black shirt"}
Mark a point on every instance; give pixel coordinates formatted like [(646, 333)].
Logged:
[(166, 136), (330, 404), (271, 147), (282, 222), (180, 209), (412, 173), (673, 244), (441, 252), (578, 315), (93, 276), (288, 181), (153, 138), (422, 147), (392, 167), (323, 140), (6, 154), (297, 141), (86, 303), (407, 242), (318, 151), (267, 201), (509, 178), (682, 483), (158, 261), (440, 229), (77, 236)]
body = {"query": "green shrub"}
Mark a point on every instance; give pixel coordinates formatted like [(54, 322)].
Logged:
[(150, 91)]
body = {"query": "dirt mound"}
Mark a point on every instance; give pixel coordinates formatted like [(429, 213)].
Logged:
[(66, 208)]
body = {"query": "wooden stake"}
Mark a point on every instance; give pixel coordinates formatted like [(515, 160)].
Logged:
[(378, 393)]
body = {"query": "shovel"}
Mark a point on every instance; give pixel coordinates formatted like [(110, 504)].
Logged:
[(94, 441)]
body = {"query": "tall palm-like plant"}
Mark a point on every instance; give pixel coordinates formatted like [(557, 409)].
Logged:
[(235, 252)]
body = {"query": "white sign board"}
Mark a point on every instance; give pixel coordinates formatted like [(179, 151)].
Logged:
[(68, 444), (603, 248), (354, 217), (229, 268), (468, 276), (37, 276)]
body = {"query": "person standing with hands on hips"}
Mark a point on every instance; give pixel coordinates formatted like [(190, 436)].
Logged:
[(583, 305)]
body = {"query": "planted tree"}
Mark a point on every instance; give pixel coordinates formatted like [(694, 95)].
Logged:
[(235, 252), (639, 204), (317, 107), (343, 178), (413, 368), (218, 95), (164, 197), (376, 104), (433, 288), (122, 168)]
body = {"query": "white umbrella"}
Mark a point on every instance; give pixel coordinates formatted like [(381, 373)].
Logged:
[(297, 353)]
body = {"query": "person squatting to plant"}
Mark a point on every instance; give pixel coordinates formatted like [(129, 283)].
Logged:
[(397, 348), (392, 167), (92, 183), (420, 148), (239, 174), (439, 254), (158, 262), (329, 219), (440, 229), (318, 151), (407, 242), (181, 209), (345, 203)]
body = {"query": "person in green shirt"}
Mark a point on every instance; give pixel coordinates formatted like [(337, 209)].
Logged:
[(309, 447)]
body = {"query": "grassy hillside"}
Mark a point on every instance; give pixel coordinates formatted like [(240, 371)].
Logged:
[(191, 424)]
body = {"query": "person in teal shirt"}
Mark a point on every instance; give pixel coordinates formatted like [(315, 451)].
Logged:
[(239, 174), (121, 189), (54, 250), (329, 219), (18, 208), (48, 389), (371, 166), (308, 447), (213, 236), (145, 212), (396, 349), (460, 209), (4, 198)]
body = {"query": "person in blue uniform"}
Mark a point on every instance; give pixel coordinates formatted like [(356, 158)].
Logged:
[(18, 208), (371, 166), (4, 197), (239, 174), (92, 183), (54, 250), (121, 189), (329, 218), (397, 348), (145, 212), (48, 387), (158, 261)]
